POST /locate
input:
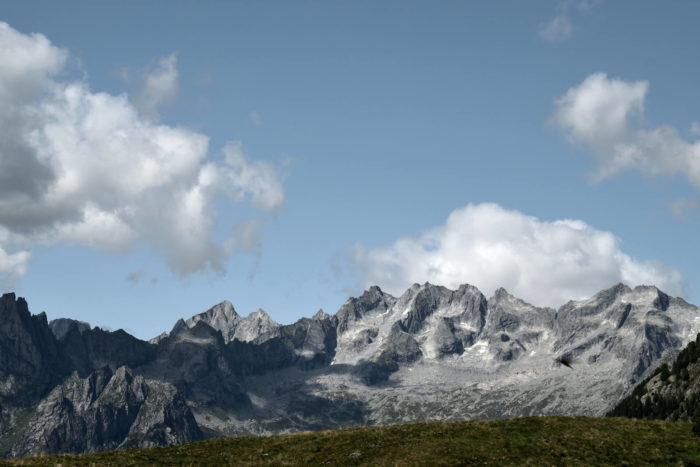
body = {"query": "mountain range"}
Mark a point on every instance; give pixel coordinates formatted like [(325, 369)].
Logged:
[(430, 354)]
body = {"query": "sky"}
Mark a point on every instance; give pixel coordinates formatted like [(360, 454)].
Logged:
[(157, 158)]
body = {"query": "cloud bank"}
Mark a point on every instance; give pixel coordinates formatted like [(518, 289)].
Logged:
[(606, 116), (545, 263), (94, 169)]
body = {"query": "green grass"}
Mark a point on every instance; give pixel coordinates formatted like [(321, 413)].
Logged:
[(518, 441)]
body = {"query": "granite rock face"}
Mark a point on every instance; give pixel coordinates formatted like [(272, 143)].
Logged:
[(30, 362), (107, 411), (223, 318), (430, 354)]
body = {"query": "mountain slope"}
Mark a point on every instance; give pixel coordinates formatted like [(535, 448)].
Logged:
[(670, 393)]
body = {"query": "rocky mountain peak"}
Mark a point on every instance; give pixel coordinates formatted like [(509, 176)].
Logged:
[(260, 314), (180, 326), (222, 317), (320, 315), (372, 301), (501, 294), (607, 296), (257, 326)]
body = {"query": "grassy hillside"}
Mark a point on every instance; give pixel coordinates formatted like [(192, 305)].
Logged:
[(532, 440)]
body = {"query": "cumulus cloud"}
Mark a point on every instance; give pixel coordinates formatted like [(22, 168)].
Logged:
[(545, 263), (160, 86), (92, 169), (606, 116), (12, 267)]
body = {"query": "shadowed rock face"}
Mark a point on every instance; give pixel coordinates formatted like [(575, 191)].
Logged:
[(108, 411), (86, 350), (30, 362), (432, 353)]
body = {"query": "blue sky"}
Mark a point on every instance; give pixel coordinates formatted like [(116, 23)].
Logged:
[(285, 155)]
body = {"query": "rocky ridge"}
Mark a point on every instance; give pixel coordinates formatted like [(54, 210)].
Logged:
[(430, 354)]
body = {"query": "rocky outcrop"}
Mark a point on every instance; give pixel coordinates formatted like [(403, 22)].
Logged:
[(30, 359), (107, 411)]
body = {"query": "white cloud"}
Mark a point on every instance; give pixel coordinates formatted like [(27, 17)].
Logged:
[(160, 86), (558, 28), (561, 26), (682, 206), (695, 128), (255, 117), (12, 267), (258, 179), (245, 236), (87, 168), (545, 263), (606, 115)]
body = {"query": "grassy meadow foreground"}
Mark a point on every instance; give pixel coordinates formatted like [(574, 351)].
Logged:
[(531, 440)]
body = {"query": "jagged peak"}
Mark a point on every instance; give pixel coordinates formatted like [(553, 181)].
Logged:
[(320, 315), (468, 287), (10, 296), (372, 293), (225, 308), (11, 301), (617, 289), (610, 294), (180, 326), (259, 314), (501, 293), (222, 315), (426, 288)]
